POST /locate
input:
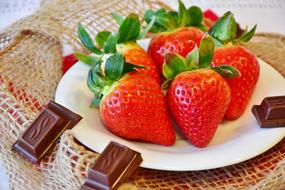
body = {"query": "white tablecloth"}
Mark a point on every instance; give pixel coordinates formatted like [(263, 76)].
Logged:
[(269, 15)]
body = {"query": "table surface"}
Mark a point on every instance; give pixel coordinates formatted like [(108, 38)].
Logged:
[(269, 15)]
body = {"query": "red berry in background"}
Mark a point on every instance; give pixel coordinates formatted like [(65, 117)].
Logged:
[(209, 14), (176, 32), (210, 18), (68, 61), (226, 32)]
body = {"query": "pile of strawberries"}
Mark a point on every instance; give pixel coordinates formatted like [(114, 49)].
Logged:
[(195, 71)]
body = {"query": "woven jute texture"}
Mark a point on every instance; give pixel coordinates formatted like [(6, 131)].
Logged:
[(30, 69)]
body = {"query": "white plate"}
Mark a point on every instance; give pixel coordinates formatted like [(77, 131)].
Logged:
[(234, 142)]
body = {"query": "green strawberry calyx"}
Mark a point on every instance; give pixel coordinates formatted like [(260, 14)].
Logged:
[(129, 31), (107, 65), (198, 58), (169, 20), (225, 31), (105, 75)]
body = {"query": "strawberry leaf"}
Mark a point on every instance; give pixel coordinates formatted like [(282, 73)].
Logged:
[(96, 82), (174, 15), (195, 16), (206, 51), (192, 59), (88, 59), (115, 67), (86, 40), (146, 29), (129, 29), (225, 28), (102, 37), (226, 71), (163, 20), (246, 36), (182, 14), (174, 64), (110, 44), (118, 18)]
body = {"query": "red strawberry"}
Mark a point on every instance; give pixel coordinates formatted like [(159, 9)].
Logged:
[(134, 54), (181, 41), (197, 101), (198, 96), (132, 105), (210, 18), (175, 32), (68, 61), (243, 86), (123, 41)]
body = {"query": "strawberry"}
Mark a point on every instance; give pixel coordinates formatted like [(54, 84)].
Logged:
[(123, 41), (210, 18), (175, 32), (68, 61), (235, 55), (131, 103), (197, 95)]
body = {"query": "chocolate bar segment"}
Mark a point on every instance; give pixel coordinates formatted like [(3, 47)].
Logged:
[(271, 112), (115, 164), (41, 135)]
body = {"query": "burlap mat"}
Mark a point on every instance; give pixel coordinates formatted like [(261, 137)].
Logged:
[(30, 69)]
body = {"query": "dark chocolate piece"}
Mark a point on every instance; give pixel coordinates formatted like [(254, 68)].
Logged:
[(271, 112), (41, 135), (115, 164)]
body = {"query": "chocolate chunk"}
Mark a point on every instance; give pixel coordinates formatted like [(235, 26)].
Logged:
[(271, 112), (115, 164), (41, 135)]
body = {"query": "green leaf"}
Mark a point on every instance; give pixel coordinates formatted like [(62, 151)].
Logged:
[(167, 71), (225, 28), (110, 44), (102, 37), (174, 64), (148, 15), (192, 59), (174, 15), (147, 29), (86, 40), (217, 43), (130, 29), (95, 80), (88, 59), (157, 29), (226, 71), (206, 51), (246, 36), (118, 18), (182, 14), (165, 20), (202, 27), (128, 67), (195, 16), (114, 67)]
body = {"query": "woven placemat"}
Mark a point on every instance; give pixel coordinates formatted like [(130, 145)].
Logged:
[(30, 69)]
